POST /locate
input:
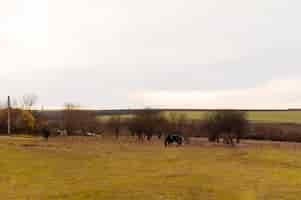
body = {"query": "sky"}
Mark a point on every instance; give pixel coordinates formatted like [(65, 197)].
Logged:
[(160, 53)]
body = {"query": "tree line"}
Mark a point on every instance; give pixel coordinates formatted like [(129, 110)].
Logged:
[(143, 124), (225, 124)]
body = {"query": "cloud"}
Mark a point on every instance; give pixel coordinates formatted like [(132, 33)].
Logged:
[(146, 86), (9, 8), (210, 53), (270, 95)]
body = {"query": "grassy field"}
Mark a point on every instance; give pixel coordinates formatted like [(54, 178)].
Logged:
[(264, 116), (267, 116), (96, 168), (276, 116)]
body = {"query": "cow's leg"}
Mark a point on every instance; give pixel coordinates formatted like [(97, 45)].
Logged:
[(166, 143)]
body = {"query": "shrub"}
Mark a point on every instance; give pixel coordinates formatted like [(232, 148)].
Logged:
[(21, 120), (77, 121), (227, 123), (149, 122)]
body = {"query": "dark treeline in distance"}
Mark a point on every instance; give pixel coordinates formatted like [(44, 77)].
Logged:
[(147, 123)]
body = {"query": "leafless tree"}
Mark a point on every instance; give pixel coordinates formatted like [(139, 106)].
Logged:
[(115, 125), (178, 121), (14, 103), (148, 122), (76, 119), (228, 124), (28, 101), (70, 117)]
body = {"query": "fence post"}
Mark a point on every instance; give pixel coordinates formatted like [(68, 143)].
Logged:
[(8, 116)]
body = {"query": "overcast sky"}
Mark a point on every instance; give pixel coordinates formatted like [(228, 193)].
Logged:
[(159, 53)]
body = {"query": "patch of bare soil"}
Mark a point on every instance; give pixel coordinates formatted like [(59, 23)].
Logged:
[(30, 145)]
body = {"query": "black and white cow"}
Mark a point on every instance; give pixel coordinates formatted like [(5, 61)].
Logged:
[(173, 138)]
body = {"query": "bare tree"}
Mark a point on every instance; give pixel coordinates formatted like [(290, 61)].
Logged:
[(115, 124), (148, 122), (228, 123), (28, 101), (178, 121), (14, 103), (70, 117), (75, 119)]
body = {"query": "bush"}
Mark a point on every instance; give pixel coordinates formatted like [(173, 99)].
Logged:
[(149, 122), (115, 124), (77, 121), (274, 132), (227, 123), (21, 120)]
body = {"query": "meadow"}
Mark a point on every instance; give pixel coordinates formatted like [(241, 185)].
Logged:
[(263, 116), (103, 168)]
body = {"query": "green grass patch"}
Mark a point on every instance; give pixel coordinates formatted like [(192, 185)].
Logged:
[(267, 116), (106, 118), (276, 116)]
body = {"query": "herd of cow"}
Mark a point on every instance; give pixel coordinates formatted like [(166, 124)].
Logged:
[(170, 138), (175, 137)]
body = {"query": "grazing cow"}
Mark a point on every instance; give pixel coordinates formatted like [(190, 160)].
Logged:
[(91, 134), (45, 132), (61, 132), (172, 138)]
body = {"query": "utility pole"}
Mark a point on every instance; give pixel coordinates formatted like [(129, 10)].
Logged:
[(8, 115)]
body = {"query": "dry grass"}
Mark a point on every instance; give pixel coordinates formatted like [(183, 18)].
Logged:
[(97, 168)]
